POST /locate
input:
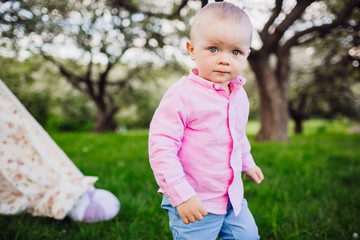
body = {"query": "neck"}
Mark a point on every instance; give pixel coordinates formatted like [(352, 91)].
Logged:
[(227, 88)]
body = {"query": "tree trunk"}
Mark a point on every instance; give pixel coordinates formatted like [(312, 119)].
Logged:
[(298, 126), (298, 112), (105, 120), (274, 114)]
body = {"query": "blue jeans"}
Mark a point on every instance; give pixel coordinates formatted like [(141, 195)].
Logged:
[(226, 226)]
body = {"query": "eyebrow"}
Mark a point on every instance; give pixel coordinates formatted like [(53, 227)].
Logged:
[(219, 42)]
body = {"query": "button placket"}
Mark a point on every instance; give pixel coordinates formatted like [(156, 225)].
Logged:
[(217, 87)]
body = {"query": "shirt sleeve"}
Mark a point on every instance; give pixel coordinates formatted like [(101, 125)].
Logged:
[(165, 135), (247, 159)]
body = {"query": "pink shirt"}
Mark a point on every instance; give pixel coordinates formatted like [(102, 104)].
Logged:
[(198, 145)]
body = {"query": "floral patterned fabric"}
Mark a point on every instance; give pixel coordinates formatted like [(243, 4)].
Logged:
[(35, 174)]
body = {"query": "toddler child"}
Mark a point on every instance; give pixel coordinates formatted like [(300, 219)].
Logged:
[(197, 142)]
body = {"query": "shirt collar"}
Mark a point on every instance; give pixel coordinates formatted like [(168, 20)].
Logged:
[(194, 76)]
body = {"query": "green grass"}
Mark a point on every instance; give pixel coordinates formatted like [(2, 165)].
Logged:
[(310, 191)]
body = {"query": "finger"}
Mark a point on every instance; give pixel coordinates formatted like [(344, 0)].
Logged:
[(198, 216), (185, 220), (261, 175), (203, 212), (255, 178), (248, 176), (191, 219)]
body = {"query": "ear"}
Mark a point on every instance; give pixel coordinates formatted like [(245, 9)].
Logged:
[(249, 52), (190, 48)]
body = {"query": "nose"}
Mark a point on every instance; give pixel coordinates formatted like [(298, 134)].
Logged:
[(224, 59)]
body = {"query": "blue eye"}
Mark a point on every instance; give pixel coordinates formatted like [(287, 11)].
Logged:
[(213, 49), (236, 52)]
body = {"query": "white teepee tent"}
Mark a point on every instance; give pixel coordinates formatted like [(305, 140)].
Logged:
[(35, 174)]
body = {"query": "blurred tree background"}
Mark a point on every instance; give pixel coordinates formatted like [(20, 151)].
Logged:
[(104, 64)]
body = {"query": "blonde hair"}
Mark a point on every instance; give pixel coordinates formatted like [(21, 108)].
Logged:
[(220, 10)]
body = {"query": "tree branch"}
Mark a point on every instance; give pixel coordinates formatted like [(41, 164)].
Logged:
[(125, 4), (102, 81), (103, 76), (322, 30), (71, 78), (272, 42), (275, 13), (132, 9), (89, 83), (89, 69), (176, 13), (204, 2)]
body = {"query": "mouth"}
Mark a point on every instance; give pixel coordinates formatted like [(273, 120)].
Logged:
[(221, 72)]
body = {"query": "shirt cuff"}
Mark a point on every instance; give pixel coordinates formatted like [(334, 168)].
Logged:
[(179, 193), (247, 162)]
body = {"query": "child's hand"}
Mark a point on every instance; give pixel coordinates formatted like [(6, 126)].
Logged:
[(255, 174), (191, 210)]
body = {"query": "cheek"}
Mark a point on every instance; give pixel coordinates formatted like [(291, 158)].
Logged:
[(205, 62), (240, 64)]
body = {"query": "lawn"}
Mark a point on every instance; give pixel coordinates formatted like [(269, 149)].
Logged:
[(310, 191)]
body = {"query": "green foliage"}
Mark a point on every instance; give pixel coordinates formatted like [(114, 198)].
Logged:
[(102, 35), (148, 87), (46, 96), (325, 79), (58, 107), (143, 110), (19, 78), (252, 92), (310, 189)]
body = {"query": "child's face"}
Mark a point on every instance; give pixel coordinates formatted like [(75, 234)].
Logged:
[(220, 48)]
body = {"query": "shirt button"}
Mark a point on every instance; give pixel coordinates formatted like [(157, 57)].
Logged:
[(211, 91), (217, 87)]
